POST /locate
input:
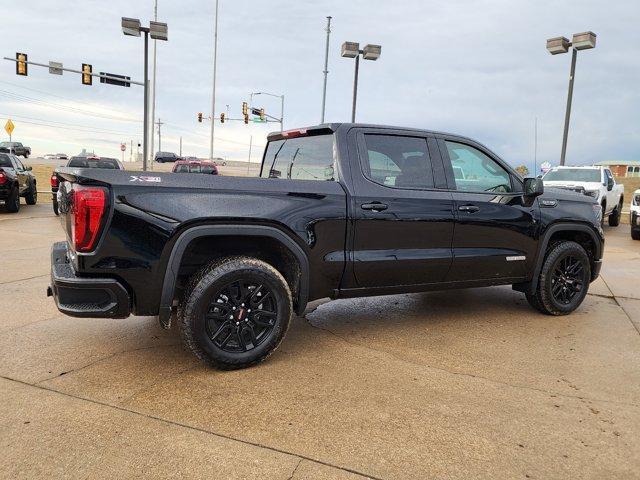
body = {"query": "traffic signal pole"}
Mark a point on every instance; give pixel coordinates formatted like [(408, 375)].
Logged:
[(145, 135), (213, 92)]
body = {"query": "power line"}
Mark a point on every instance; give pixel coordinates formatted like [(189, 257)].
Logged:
[(58, 106), (106, 130)]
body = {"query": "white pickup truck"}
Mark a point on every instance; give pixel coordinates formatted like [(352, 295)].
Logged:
[(597, 182)]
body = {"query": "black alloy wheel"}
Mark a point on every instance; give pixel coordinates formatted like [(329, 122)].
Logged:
[(241, 316), (235, 312), (567, 279)]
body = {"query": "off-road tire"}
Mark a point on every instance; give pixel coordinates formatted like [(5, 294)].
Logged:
[(201, 291), (31, 197), (12, 204), (543, 299), (55, 207), (635, 233), (614, 217)]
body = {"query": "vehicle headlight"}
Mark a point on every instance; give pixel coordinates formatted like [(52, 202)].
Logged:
[(592, 193)]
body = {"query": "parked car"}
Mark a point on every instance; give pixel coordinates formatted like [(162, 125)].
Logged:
[(81, 162), (195, 166), (162, 157), (597, 182), (16, 148), (56, 156), (340, 210), (16, 181), (634, 217)]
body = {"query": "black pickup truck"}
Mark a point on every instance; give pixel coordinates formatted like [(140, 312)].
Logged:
[(339, 210)]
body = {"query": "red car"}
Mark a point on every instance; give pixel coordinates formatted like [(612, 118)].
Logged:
[(195, 166)]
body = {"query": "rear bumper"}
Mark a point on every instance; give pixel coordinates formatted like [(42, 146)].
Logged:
[(85, 297)]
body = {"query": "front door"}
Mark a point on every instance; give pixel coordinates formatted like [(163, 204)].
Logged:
[(494, 236), (403, 223)]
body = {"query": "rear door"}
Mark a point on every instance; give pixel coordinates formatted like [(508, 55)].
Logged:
[(403, 214), (494, 237)]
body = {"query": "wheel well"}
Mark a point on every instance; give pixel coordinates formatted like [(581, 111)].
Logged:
[(582, 238), (204, 250)]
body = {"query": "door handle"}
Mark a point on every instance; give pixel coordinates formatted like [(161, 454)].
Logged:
[(374, 206), (468, 208)]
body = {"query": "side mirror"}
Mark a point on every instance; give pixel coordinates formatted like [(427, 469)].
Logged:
[(28, 169), (533, 187), (610, 184)]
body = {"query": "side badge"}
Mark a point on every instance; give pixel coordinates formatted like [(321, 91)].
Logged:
[(548, 203)]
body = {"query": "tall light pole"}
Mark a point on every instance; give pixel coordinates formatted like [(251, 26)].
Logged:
[(213, 92), (326, 69), (352, 50), (556, 45), (281, 97), (153, 95), (157, 31)]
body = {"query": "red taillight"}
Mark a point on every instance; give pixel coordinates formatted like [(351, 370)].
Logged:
[(54, 180), (3, 178), (89, 206), (294, 133)]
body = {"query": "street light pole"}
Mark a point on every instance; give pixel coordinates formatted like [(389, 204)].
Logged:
[(355, 90), (281, 97), (567, 114), (556, 45), (153, 95), (157, 31), (352, 50), (213, 93), (325, 71), (146, 101)]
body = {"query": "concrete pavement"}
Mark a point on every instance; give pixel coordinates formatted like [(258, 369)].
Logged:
[(467, 384)]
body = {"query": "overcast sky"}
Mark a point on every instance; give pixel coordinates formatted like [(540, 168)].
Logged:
[(477, 68)]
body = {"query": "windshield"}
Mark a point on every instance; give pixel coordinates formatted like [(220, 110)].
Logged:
[(81, 162), (573, 175), (8, 144), (5, 161)]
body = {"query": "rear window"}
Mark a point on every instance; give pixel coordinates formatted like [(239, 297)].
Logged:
[(5, 161), (105, 163), (197, 168), (573, 175), (301, 158)]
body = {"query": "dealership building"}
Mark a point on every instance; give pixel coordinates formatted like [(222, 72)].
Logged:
[(622, 168)]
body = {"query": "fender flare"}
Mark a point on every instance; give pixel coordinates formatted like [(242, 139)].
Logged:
[(544, 243), (186, 237)]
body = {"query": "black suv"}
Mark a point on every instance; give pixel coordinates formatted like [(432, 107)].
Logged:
[(162, 157), (16, 181), (339, 210)]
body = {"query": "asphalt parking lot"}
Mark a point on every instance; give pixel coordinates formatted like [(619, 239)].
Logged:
[(466, 384)]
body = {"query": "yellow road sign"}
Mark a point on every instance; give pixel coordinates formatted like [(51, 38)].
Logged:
[(9, 126)]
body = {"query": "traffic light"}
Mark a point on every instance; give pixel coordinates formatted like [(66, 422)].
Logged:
[(222, 116), (246, 118), (200, 117), (262, 117), (245, 109), (21, 64), (87, 79)]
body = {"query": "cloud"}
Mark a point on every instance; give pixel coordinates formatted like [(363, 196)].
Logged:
[(474, 67)]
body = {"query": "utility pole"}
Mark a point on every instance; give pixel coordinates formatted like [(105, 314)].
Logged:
[(535, 148), (325, 71), (213, 92), (153, 95), (180, 145), (159, 123), (131, 151)]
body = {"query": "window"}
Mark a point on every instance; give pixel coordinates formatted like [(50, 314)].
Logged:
[(301, 158), (397, 161), (476, 172), (573, 175), (5, 161)]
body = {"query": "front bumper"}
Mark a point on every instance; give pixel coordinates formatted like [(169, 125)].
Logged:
[(85, 296)]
